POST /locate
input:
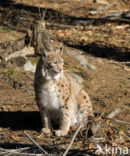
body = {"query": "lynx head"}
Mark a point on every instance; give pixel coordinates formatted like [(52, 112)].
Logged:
[(52, 65)]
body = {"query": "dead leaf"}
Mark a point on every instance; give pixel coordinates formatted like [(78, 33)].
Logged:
[(91, 146), (97, 119), (15, 138)]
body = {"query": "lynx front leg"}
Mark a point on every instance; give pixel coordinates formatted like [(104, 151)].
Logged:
[(46, 122), (64, 121)]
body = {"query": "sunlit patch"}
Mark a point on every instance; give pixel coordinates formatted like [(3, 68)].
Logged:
[(56, 77)]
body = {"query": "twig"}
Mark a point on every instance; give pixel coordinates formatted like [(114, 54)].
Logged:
[(122, 122), (119, 63), (115, 15), (118, 15), (76, 132), (97, 139), (22, 154), (8, 152), (86, 132), (114, 113), (41, 149), (43, 17), (23, 149)]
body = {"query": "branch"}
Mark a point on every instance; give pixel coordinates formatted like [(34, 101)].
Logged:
[(22, 53), (114, 113), (16, 152), (118, 15), (122, 122), (40, 148), (75, 134)]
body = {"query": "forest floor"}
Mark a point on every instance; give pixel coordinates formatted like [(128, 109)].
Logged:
[(104, 43)]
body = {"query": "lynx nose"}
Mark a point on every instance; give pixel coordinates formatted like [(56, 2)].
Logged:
[(57, 71)]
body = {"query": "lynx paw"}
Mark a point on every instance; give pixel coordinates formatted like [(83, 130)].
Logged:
[(46, 130), (61, 133)]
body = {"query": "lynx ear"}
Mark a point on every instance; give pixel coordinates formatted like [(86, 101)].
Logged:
[(60, 50), (44, 54)]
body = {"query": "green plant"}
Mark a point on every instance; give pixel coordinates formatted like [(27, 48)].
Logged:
[(8, 72), (83, 73), (34, 60), (6, 29)]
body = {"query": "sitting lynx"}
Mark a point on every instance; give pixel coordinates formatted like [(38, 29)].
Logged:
[(59, 96)]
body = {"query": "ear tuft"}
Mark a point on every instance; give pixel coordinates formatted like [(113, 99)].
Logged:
[(44, 54), (60, 50)]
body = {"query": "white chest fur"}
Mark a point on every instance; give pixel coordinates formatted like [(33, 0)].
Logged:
[(49, 98)]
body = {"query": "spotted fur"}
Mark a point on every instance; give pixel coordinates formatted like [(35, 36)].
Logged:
[(59, 96)]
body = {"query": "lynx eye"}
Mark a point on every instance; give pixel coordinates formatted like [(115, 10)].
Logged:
[(48, 66), (54, 63)]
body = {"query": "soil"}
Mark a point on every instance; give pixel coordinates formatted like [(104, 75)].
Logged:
[(105, 45)]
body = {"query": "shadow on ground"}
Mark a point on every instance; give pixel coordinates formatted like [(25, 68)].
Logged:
[(100, 49), (51, 150), (13, 14), (22, 16), (21, 120), (13, 10), (31, 149)]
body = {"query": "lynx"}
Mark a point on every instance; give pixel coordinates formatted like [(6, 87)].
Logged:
[(59, 96)]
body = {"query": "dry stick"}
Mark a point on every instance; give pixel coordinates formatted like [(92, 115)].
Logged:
[(114, 113), (22, 154), (122, 122), (15, 152), (76, 132), (109, 116), (24, 52), (119, 63), (27, 135), (43, 17), (10, 152), (18, 151)]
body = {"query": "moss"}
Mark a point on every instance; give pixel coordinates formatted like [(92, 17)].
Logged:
[(82, 72), (86, 86), (8, 72), (127, 111), (5, 29), (70, 63), (34, 60), (122, 127)]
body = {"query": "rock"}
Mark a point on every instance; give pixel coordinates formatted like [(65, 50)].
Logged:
[(81, 59), (77, 77), (28, 66), (90, 66), (127, 69)]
